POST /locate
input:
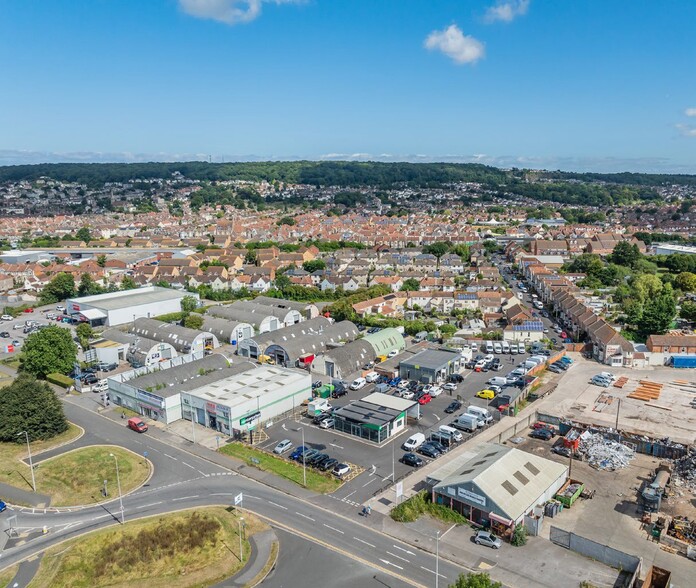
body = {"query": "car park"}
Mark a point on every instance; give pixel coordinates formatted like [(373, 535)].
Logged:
[(488, 539), (411, 459), (341, 470), (485, 394), (329, 423), (282, 447), (450, 386), (428, 450), (453, 407)]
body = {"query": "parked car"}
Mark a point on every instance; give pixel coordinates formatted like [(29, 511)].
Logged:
[(488, 539), (341, 470), (5, 335), (319, 463), (317, 458), (392, 353), (435, 391), (3, 506), (136, 424), (60, 308), (428, 450), (455, 378), (283, 446), (411, 459), (28, 310), (297, 452), (543, 434), (328, 464), (403, 384), (329, 423), (407, 394), (554, 369), (425, 398), (453, 407), (319, 418), (338, 392), (450, 386), (439, 446), (7, 317), (485, 394)]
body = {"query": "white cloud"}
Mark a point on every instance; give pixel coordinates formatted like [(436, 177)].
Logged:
[(687, 130), (690, 112), (507, 10), (456, 45), (228, 11)]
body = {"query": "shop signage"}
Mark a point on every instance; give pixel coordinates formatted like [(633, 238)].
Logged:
[(250, 418), (471, 496)]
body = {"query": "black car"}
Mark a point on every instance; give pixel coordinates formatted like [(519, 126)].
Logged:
[(320, 417), (338, 392), (470, 365), (5, 334), (454, 406), (319, 464), (439, 446), (441, 439), (411, 459), (316, 384), (428, 450), (455, 378), (543, 434), (561, 365), (90, 379), (328, 464), (317, 459)]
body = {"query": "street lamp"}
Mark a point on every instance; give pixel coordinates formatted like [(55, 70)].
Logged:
[(241, 526), (120, 496), (304, 461), (437, 560), (31, 465)]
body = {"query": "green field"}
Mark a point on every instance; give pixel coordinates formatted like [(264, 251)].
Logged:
[(179, 550), (317, 481), (77, 477)]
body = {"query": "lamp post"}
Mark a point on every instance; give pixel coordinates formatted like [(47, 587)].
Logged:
[(304, 461), (437, 560), (31, 465), (241, 526), (120, 496)]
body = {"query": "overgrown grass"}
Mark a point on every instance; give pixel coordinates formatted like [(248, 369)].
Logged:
[(13, 362), (15, 472), (179, 550), (7, 575), (316, 481), (420, 504), (77, 477)]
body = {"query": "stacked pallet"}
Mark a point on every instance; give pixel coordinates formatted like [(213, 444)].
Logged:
[(621, 382), (646, 391)]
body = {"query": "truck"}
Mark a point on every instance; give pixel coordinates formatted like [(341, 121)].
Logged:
[(466, 422), (570, 492), (317, 406), (324, 391)]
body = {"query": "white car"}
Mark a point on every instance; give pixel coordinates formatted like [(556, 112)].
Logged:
[(428, 388), (17, 326), (408, 394), (403, 384), (435, 391), (7, 317), (392, 353), (60, 308), (450, 387), (474, 347)]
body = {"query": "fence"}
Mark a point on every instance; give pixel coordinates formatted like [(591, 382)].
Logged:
[(619, 560)]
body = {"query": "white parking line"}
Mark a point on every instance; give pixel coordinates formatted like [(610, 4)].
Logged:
[(305, 516), (278, 505), (365, 542), (398, 557), (369, 482), (334, 529)]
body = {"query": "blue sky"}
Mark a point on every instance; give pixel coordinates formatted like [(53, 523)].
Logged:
[(591, 84)]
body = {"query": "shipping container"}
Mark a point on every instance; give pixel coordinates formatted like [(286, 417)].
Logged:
[(684, 361), (569, 492)]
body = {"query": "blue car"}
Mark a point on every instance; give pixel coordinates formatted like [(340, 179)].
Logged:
[(297, 453), (566, 359), (3, 506)]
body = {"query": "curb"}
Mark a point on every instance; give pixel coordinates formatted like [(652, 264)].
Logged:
[(275, 548)]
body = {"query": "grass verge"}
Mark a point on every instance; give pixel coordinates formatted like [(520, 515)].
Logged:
[(7, 575), (77, 477), (316, 481), (420, 504), (180, 550), (272, 560), (15, 472)]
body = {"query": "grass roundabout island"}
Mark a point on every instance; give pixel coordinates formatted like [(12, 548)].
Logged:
[(78, 477), (187, 549)]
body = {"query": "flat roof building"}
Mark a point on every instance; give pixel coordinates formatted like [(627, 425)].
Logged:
[(430, 366)]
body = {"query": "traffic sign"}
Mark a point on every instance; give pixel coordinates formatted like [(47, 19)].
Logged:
[(238, 499)]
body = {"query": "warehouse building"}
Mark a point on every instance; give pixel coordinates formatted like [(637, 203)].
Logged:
[(386, 340), (343, 361), (376, 417), (184, 340), (286, 316), (306, 309), (120, 308), (115, 346), (430, 366), (228, 331), (497, 485), (262, 322), (17, 257)]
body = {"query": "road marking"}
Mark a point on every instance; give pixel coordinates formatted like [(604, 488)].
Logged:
[(188, 465), (390, 563), (334, 529), (365, 542), (404, 550), (149, 505), (250, 496), (202, 473), (278, 505), (369, 482), (305, 516), (398, 557), (336, 446), (349, 495), (171, 457), (431, 571), (100, 517), (448, 530), (437, 417), (184, 498), (226, 494)]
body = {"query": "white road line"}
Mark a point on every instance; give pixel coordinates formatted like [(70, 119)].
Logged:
[(202, 473), (100, 517), (278, 505), (171, 457), (225, 494), (250, 496), (153, 449), (349, 495), (334, 529), (304, 516), (188, 465), (448, 530), (149, 505), (369, 482), (184, 498), (398, 557), (336, 446), (365, 542), (390, 563), (431, 571), (405, 550)]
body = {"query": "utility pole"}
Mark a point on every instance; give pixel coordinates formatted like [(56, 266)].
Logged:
[(31, 465), (437, 560), (120, 496)]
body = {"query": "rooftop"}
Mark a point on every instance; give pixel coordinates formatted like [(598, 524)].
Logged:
[(431, 358), (127, 298)]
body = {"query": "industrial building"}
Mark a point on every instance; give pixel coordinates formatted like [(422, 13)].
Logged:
[(120, 308), (286, 316), (263, 322), (115, 346), (376, 417), (386, 340), (430, 366), (228, 331), (286, 346), (184, 340), (17, 256), (306, 309), (497, 485)]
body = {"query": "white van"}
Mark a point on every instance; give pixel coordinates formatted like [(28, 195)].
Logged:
[(506, 347), (497, 381), (467, 422), (371, 377), (452, 432), (497, 348), (357, 384), (480, 413), (414, 442), (489, 347)]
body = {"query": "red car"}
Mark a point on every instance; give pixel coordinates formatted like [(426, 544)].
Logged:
[(28, 310), (564, 334), (425, 399)]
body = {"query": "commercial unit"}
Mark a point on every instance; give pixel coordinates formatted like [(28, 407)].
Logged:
[(228, 331), (286, 316), (497, 485), (115, 346), (385, 340), (430, 366), (343, 361), (17, 256), (182, 339), (263, 322), (376, 417), (120, 308), (306, 309)]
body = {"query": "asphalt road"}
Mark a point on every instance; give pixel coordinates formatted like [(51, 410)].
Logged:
[(182, 480)]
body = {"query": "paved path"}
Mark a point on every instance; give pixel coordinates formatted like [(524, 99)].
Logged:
[(19, 496), (26, 572), (261, 548)]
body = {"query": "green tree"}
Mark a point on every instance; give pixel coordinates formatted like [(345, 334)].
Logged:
[(88, 286), (188, 305), (438, 249), (194, 321), (48, 351), (84, 333), (658, 314), (625, 254), (314, 265), (83, 234), (481, 580), (410, 284), (101, 260), (646, 287), (62, 286), (286, 220), (519, 536), (128, 283), (31, 406), (282, 282), (251, 257), (688, 310), (686, 282)]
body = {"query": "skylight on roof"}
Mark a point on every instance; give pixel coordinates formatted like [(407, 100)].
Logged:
[(509, 487), (532, 468), (521, 477)]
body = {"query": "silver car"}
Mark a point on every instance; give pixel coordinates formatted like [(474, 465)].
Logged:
[(283, 446), (488, 539)]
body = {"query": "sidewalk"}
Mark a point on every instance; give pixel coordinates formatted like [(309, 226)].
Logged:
[(24, 497), (261, 551)]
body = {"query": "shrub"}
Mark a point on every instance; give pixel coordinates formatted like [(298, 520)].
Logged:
[(172, 317), (60, 380), (519, 536), (420, 504)]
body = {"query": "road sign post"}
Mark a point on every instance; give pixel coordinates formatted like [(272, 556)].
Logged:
[(238, 500)]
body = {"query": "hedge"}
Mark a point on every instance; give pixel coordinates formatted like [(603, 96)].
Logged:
[(60, 380), (172, 317)]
